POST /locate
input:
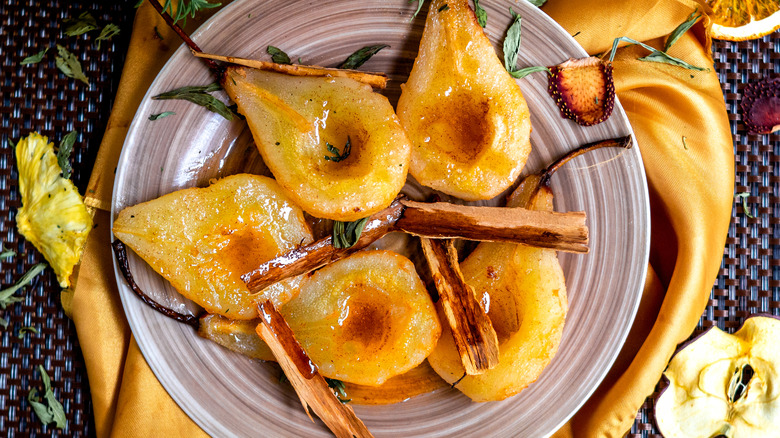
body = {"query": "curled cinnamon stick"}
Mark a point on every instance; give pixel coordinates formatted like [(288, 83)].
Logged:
[(561, 231), (311, 387), (471, 328), (375, 80)]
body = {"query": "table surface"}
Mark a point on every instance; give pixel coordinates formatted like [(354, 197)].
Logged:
[(39, 98)]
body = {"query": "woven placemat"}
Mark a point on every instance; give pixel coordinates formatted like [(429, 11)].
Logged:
[(749, 278), (40, 98)]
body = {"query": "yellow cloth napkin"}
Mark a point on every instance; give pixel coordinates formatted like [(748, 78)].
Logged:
[(683, 133)]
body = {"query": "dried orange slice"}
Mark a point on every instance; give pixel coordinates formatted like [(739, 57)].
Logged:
[(739, 20)]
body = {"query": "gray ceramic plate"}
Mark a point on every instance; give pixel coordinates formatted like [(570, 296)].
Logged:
[(229, 395)]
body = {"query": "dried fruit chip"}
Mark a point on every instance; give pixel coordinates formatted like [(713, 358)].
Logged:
[(53, 216), (761, 106), (722, 384), (583, 90)]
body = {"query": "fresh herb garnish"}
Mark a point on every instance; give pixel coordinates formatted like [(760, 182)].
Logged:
[(745, 208), (277, 55), (108, 32), (53, 413), (346, 234), (655, 55), (481, 14), (537, 3), (157, 33), (64, 152), (360, 56), (6, 253), (186, 8), (199, 95), (161, 115), (3, 322), (337, 156), (69, 65), (24, 330), (443, 7), (681, 29), (340, 390), (81, 25), (419, 8), (512, 44), (34, 59), (523, 72), (7, 296)]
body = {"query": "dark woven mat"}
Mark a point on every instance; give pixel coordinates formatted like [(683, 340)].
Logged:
[(40, 98), (749, 278)]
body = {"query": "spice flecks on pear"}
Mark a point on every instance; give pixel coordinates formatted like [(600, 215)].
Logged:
[(465, 115)]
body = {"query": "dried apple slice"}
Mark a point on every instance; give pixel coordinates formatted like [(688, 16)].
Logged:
[(336, 147), (722, 384), (365, 318), (203, 239), (583, 89), (465, 115)]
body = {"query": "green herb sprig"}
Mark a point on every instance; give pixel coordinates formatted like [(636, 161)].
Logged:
[(199, 95), (340, 390), (443, 8), (654, 56), (481, 14), (537, 3), (681, 29), (360, 56), (109, 31), (346, 234), (64, 152), (81, 25), (278, 55), (337, 155), (186, 8), (25, 330), (419, 8), (7, 296), (159, 116), (6, 253), (512, 42), (745, 207), (34, 59), (53, 413), (69, 65)]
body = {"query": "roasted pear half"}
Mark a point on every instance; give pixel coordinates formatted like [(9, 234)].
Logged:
[(465, 115), (526, 294), (203, 239), (365, 318), (336, 147)]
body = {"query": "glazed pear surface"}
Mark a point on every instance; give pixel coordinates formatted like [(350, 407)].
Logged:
[(526, 292), (365, 318), (464, 114), (203, 239), (293, 119)]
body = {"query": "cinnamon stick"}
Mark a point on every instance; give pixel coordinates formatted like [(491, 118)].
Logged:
[(560, 231), (375, 80), (471, 328), (311, 387)]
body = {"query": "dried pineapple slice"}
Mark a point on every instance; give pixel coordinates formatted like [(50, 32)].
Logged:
[(53, 216)]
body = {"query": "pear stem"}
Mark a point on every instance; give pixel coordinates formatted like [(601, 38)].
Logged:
[(186, 38)]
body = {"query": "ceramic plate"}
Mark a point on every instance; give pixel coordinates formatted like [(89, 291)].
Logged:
[(229, 395)]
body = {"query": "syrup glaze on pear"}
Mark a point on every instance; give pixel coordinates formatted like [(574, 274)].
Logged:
[(465, 115), (293, 119)]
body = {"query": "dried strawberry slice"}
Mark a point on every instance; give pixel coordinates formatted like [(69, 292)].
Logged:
[(583, 90), (761, 106)]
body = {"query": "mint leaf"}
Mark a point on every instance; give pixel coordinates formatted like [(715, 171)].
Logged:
[(512, 43), (346, 234), (69, 65), (64, 152), (34, 59), (481, 14), (360, 56), (277, 55), (523, 72)]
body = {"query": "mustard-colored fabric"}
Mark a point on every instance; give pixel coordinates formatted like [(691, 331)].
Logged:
[(691, 190)]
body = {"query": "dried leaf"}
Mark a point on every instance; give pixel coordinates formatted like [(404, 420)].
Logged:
[(7, 296), (64, 152), (34, 59), (523, 72), (481, 14), (159, 116), (277, 55), (108, 32), (681, 29), (81, 25), (360, 57), (512, 43), (199, 95), (69, 65)]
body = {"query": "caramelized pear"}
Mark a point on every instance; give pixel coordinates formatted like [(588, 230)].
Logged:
[(365, 318), (464, 114), (336, 147), (203, 239), (526, 292)]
